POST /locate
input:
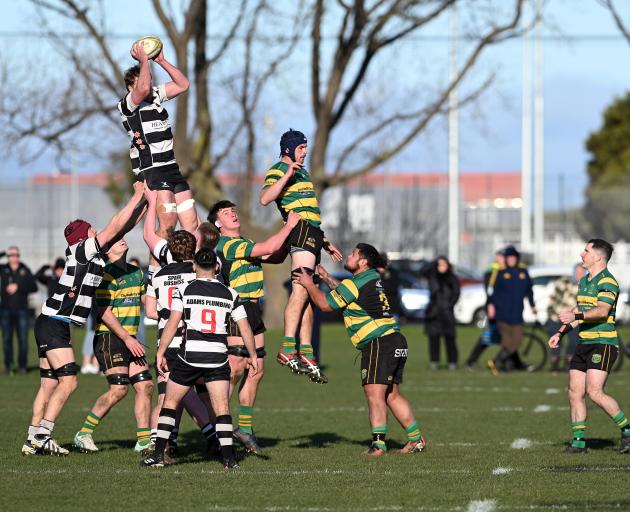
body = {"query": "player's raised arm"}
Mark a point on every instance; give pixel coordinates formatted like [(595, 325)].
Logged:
[(316, 295), (276, 241), (274, 184), (149, 234), (179, 83), (125, 219), (142, 87)]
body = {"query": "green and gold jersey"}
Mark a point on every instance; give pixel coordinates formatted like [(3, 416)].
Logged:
[(239, 270), (605, 288), (121, 290), (298, 195), (365, 307)]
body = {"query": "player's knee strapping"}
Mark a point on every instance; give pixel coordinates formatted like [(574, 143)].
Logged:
[(167, 208), (118, 379), (185, 205), (67, 370), (241, 351), (47, 373), (140, 377), (161, 388)]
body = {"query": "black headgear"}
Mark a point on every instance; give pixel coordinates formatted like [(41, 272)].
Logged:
[(289, 141)]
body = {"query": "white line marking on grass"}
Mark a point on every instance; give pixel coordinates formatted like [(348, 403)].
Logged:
[(552, 391), (482, 506), (507, 409), (521, 444), (549, 408), (501, 471)]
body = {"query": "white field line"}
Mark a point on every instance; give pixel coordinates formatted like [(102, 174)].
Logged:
[(552, 391), (521, 443), (482, 506), (501, 471)]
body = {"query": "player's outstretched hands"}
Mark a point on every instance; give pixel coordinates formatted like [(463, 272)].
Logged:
[(298, 276), (138, 188), (566, 317), (160, 57), (554, 341), (138, 53), (134, 346), (150, 195), (334, 253), (323, 273), (293, 219)]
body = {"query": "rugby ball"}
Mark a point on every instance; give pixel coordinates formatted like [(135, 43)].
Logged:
[(152, 45)]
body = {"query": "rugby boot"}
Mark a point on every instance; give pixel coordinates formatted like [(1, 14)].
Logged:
[(48, 446), (230, 463), (153, 461), (414, 446), (144, 449), (492, 367), (29, 449), (291, 361), (310, 368), (374, 451), (624, 446), (575, 449), (169, 454), (248, 440), (85, 443)]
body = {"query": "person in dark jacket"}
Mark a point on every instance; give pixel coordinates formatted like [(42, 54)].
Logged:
[(440, 317), (511, 286), (49, 276), (17, 283)]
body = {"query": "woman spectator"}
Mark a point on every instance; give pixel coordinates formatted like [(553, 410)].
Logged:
[(440, 318)]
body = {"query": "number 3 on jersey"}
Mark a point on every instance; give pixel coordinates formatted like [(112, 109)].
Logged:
[(209, 320)]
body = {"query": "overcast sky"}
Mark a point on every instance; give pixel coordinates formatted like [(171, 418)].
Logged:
[(581, 77)]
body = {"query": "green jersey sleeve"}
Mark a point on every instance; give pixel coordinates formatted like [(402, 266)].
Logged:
[(346, 293)]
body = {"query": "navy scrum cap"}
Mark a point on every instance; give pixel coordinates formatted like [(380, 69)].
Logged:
[(510, 250), (289, 141)]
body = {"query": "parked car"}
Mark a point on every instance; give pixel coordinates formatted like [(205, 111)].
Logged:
[(414, 296), (470, 309)]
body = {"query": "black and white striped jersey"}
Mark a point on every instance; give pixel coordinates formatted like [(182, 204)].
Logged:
[(207, 305), (82, 274), (162, 286), (150, 131)]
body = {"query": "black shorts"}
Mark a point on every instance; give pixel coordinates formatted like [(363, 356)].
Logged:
[(383, 360), (170, 355), (186, 375), (594, 356), (254, 317), (51, 334), (166, 177), (111, 352), (306, 237)]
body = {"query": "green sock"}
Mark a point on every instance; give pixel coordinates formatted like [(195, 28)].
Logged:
[(307, 351), (378, 437), (622, 422), (143, 435), (90, 423), (288, 344), (578, 428), (413, 431), (246, 418)]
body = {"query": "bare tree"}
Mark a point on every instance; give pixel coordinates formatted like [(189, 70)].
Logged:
[(621, 24), (365, 31)]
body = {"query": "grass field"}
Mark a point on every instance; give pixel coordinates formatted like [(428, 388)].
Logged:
[(313, 435)]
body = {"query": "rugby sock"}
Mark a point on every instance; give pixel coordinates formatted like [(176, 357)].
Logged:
[(166, 422), (622, 422), (90, 423), (245, 418), (413, 432), (578, 429), (307, 351), (209, 431), (45, 429), (32, 430), (143, 435), (153, 434), (172, 440), (224, 432), (378, 437), (288, 344)]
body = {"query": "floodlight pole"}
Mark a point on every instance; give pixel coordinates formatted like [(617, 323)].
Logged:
[(453, 148), (526, 136), (539, 139)]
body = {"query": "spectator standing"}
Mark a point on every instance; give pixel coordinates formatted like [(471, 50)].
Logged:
[(440, 318), (17, 283), (49, 275)]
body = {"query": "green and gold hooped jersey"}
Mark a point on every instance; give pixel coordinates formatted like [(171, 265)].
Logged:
[(122, 290), (605, 288), (366, 312), (298, 195), (239, 271)]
